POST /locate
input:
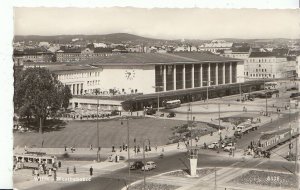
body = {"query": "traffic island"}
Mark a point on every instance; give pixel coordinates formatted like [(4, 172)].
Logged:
[(268, 178)]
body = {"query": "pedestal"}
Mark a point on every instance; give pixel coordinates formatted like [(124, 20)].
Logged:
[(193, 167)]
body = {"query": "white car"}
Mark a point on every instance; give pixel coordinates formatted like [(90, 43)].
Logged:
[(229, 147), (214, 145), (149, 166)]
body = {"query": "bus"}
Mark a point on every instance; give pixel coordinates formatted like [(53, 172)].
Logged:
[(172, 104), (271, 85)]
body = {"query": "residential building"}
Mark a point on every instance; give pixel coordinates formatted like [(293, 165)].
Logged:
[(216, 46), (266, 65)]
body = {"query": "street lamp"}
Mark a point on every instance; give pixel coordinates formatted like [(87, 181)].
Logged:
[(145, 161), (98, 143), (157, 87), (208, 84), (128, 148), (266, 97)]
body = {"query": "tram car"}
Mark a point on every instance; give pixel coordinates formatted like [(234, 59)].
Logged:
[(271, 140), (33, 161)]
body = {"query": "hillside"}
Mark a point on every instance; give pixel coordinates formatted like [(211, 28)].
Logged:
[(108, 38)]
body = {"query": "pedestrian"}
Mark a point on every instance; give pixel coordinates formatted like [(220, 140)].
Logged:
[(146, 148), (113, 148), (65, 148), (54, 172), (72, 149), (126, 147), (123, 146), (67, 170), (59, 164), (91, 171), (178, 145), (74, 170), (138, 149), (91, 147), (50, 172), (120, 148)]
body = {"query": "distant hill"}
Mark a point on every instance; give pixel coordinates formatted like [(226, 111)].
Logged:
[(108, 38)]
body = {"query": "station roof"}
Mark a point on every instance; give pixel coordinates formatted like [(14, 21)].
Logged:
[(157, 58), (69, 67)]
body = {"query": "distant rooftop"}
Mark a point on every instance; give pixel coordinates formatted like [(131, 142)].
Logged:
[(265, 54)]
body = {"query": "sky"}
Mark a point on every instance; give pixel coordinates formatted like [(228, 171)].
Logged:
[(159, 23)]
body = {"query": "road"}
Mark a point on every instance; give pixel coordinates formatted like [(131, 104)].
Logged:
[(116, 180)]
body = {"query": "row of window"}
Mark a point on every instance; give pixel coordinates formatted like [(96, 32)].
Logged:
[(260, 75), (262, 60), (93, 82), (78, 75)]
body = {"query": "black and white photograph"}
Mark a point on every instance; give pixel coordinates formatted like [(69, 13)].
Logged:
[(127, 98)]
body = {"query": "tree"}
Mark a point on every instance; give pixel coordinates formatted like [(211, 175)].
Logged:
[(38, 94)]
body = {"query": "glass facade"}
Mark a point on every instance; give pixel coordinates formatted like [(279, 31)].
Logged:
[(227, 73), (159, 78), (213, 73), (205, 74), (197, 75), (170, 77), (233, 78), (179, 76), (188, 76), (220, 73)]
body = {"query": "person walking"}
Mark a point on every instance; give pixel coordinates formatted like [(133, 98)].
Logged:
[(91, 171), (91, 147), (50, 172), (74, 170), (59, 164)]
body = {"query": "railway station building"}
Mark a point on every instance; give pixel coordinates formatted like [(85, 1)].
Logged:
[(134, 80)]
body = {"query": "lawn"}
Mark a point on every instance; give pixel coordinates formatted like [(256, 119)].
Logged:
[(111, 132)]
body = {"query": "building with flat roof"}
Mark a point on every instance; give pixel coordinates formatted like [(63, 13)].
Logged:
[(267, 65), (139, 74)]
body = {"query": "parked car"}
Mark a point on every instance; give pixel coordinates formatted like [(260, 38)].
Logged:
[(150, 111), (214, 145), (171, 114), (229, 147), (149, 166), (136, 165)]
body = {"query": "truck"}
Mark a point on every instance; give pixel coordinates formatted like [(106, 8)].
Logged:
[(244, 128)]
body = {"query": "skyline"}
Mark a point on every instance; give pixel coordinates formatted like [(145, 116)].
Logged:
[(169, 24)]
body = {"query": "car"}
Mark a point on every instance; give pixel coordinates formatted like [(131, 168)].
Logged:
[(229, 147), (150, 111), (214, 145), (136, 165), (149, 166), (171, 114)]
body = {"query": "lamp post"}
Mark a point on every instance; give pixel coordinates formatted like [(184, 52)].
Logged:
[(128, 148), (266, 97), (98, 143), (208, 84), (158, 87), (144, 160)]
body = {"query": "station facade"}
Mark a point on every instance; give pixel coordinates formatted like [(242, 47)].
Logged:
[(139, 75)]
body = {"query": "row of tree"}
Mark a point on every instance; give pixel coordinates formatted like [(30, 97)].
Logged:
[(38, 94)]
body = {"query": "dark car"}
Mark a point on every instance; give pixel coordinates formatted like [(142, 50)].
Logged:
[(150, 111), (171, 114), (136, 165)]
